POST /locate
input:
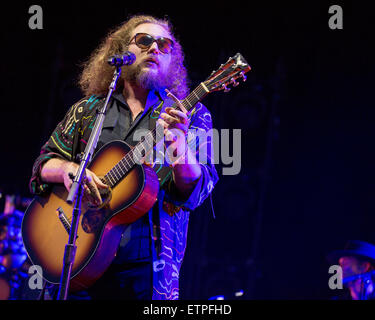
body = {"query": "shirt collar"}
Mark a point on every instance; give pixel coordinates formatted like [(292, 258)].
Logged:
[(119, 97), (154, 97)]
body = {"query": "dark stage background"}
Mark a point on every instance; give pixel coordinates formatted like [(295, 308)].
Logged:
[(307, 181)]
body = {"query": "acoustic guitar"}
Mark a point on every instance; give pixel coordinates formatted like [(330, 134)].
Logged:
[(133, 190)]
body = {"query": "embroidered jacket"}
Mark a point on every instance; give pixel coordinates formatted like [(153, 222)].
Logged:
[(169, 222)]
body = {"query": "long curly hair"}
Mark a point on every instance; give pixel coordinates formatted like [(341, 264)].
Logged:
[(97, 74)]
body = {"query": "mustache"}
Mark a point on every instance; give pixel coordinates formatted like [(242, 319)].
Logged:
[(152, 59)]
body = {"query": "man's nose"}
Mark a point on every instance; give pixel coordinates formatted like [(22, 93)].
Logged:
[(154, 48)]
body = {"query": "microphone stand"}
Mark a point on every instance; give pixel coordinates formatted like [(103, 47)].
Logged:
[(76, 191), (366, 281)]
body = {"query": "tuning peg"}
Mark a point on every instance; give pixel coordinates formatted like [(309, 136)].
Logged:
[(234, 82), (243, 76), (226, 89)]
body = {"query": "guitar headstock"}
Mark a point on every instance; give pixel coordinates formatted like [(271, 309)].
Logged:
[(227, 74)]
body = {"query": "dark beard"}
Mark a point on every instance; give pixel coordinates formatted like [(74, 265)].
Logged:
[(148, 80)]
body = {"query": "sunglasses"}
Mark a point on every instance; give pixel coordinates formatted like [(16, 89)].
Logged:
[(145, 41)]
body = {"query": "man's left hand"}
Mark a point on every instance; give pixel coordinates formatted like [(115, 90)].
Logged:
[(175, 123)]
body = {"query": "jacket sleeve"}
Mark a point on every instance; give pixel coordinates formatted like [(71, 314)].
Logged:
[(59, 145), (200, 140)]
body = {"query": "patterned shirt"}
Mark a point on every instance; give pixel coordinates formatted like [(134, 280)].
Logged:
[(168, 219)]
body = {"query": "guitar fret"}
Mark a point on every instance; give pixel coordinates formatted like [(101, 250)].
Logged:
[(118, 172), (110, 175), (192, 99), (119, 169), (201, 91), (123, 167), (150, 141), (125, 161), (108, 180), (120, 166), (186, 100), (138, 153), (131, 159), (195, 95), (114, 173)]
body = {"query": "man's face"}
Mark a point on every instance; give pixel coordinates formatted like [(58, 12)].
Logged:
[(352, 266), (151, 68)]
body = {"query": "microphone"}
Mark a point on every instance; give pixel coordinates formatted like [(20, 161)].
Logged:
[(365, 276), (119, 60)]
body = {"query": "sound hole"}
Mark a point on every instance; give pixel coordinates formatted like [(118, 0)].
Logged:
[(93, 220)]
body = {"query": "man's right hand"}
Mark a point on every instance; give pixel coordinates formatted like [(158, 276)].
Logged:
[(91, 183), (59, 171)]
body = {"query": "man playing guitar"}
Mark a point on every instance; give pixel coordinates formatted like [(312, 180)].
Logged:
[(151, 249)]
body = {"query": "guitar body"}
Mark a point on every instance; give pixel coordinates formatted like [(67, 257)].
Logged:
[(99, 230)]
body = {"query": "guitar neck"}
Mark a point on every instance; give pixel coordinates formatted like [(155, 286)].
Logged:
[(118, 172), (195, 96)]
